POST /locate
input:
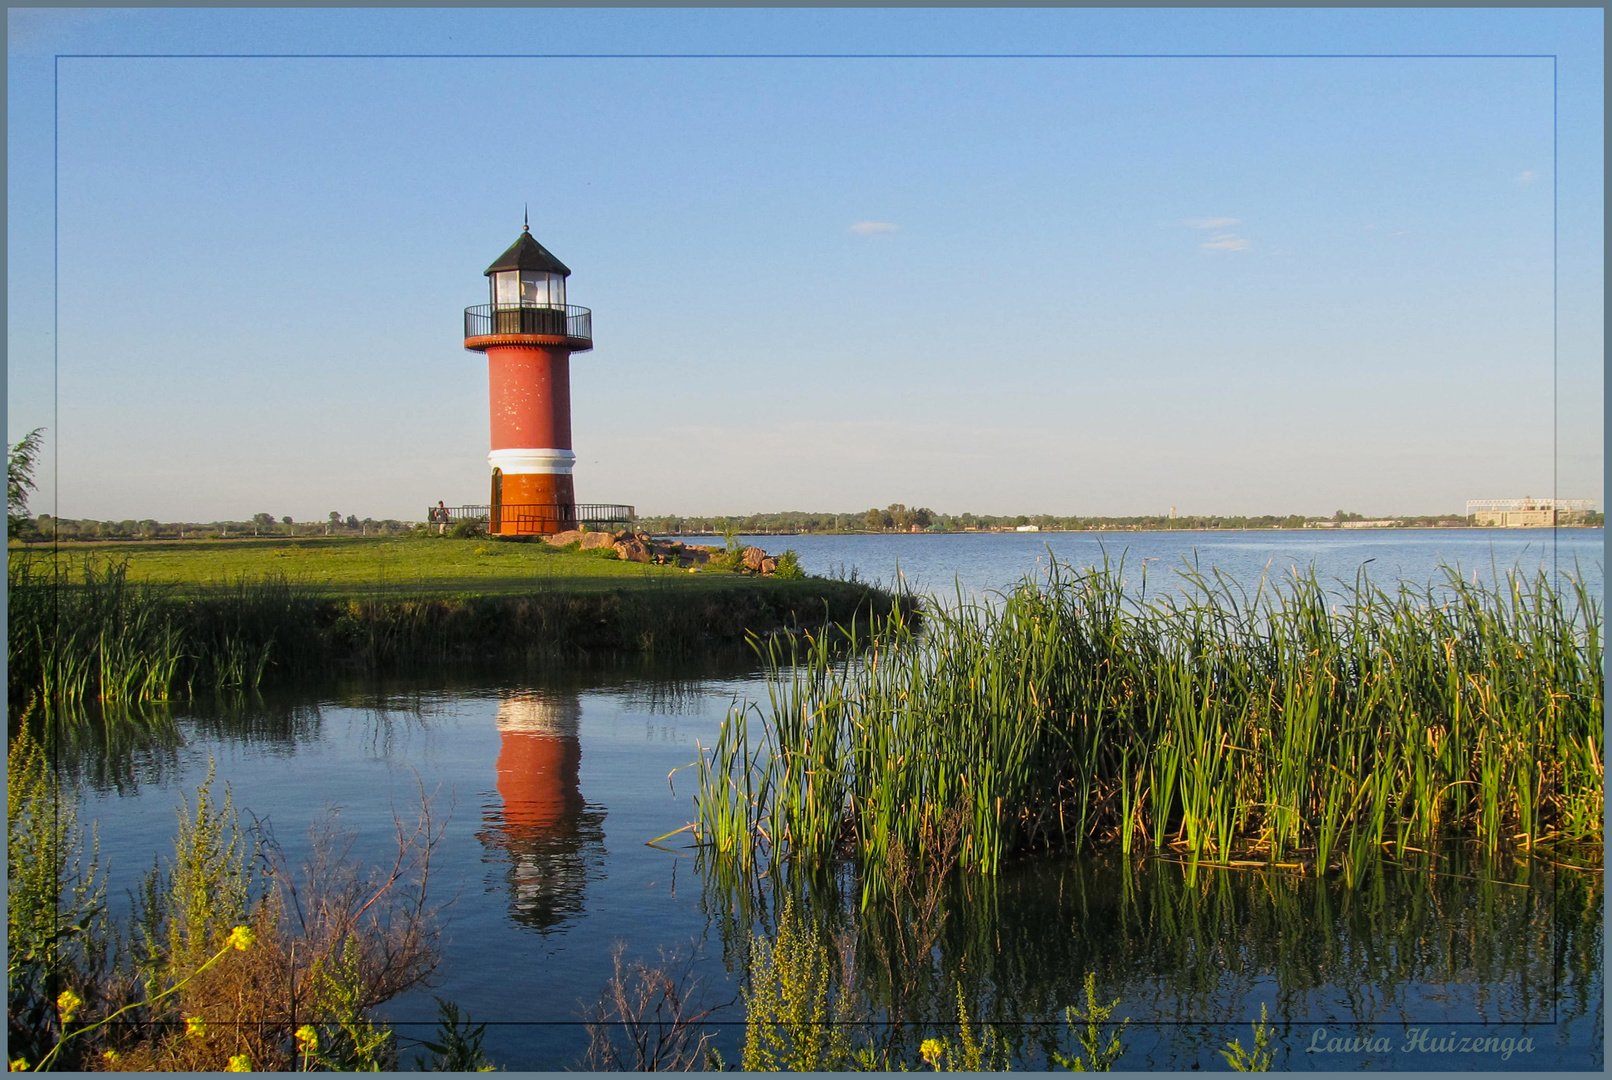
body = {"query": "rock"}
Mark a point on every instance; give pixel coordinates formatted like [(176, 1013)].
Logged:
[(570, 536), (769, 564), (575, 536), (753, 558), (632, 551)]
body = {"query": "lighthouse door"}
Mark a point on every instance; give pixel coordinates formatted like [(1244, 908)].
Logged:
[(495, 513)]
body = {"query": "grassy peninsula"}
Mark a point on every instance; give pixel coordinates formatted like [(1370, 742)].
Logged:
[(152, 621), (376, 568)]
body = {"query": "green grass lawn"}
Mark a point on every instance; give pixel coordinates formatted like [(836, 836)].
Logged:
[(358, 566)]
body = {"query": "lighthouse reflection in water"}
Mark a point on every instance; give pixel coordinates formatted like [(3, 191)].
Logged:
[(551, 840)]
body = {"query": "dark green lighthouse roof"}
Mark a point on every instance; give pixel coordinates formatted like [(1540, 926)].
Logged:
[(527, 254)]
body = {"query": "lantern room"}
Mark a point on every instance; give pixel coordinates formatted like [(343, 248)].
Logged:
[(526, 287), (527, 275)]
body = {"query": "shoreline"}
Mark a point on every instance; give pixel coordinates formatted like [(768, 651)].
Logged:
[(1125, 528), (114, 631), (47, 544)]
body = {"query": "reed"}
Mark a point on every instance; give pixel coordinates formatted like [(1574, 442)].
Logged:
[(1296, 722), (94, 636), (86, 633)]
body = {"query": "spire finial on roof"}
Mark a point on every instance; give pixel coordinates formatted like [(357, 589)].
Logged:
[(526, 218)]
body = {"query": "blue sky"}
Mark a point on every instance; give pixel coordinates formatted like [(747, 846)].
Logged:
[(1102, 285)]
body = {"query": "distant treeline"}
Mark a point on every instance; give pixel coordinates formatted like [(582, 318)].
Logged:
[(899, 518), (45, 527), (893, 518)]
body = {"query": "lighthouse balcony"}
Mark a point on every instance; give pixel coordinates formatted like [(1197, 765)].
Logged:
[(553, 324), (535, 519)]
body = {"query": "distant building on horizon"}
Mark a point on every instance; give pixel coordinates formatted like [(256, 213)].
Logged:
[(1528, 512)]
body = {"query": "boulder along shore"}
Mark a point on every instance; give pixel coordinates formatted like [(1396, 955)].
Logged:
[(641, 547)]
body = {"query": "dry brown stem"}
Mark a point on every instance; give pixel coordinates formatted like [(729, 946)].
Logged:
[(655, 1009), (333, 941)]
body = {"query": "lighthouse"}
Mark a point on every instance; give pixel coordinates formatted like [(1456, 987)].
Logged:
[(528, 333)]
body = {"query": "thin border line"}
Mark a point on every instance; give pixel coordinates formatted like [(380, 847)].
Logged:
[(807, 56), (1554, 252), (1555, 497), (52, 717), (1555, 304), (823, 1025)]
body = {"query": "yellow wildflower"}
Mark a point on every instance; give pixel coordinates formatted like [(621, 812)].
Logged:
[(930, 1050), (242, 938), (195, 1025), (110, 1055), (68, 1002), (307, 1038), (19, 1064), (240, 1062)]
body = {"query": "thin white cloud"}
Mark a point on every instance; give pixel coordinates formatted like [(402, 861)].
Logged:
[(1527, 178), (1211, 222), (1226, 242), (873, 228)]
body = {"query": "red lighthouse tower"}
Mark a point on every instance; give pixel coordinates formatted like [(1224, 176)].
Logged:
[(529, 333)]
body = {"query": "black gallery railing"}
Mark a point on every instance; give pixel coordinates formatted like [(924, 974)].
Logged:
[(532, 517), (569, 321)]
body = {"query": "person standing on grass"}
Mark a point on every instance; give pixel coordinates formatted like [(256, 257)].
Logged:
[(441, 514)]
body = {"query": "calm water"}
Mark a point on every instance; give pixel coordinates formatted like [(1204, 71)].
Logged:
[(553, 782), (939, 562)]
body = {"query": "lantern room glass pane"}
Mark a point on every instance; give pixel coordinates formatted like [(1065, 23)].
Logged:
[(542, 289), (504, 289)]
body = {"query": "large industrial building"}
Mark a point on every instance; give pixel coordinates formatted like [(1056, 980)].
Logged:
[(1528, 512)]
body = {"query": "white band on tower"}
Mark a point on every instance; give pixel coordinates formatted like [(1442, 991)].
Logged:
[(526, 462)]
